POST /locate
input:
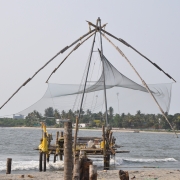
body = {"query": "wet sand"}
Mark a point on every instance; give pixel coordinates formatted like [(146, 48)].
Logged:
[(143, 174)]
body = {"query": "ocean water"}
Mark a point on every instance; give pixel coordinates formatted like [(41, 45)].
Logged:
[(146, 150)]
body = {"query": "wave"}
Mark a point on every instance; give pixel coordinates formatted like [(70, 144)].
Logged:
[(59, 165), (31, 165), (148, 160)]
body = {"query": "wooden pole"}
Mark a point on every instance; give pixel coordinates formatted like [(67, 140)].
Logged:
[(104, 82), (60, 52), (104, 146), (57, 137), (76, 171), (92, 172), (8, 165), (110, 139), (54, 158), (84, 89), (61, 135), (75, 136), (48, 157), (68, 157), (44, 162), (107, 161), (61, 146), (40, 161), (79, 44)]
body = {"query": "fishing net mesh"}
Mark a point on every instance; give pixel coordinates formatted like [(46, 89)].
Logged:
[(123, 94)]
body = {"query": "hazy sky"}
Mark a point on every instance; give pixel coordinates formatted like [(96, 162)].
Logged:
[(33, 31)]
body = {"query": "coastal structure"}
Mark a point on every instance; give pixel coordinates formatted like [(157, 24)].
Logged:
[(110, 77)]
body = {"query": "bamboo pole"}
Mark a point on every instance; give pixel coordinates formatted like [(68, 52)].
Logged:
[(144, 83), (77, 118), (104, 146), (60, 52), (57, 137), (75, 137), (128, 45), (77, 46), (68, 158), (104, 82)]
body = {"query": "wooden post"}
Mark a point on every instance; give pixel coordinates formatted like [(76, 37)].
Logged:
[(76, 170), (8, 166), (104, 147), (48, 155), (92, 172), (85, 168), (44, 162), (54, 158), (57, 137), (107, 161), (75, 136), (61, 152), (68, 157), (40, 161), (110, 138)]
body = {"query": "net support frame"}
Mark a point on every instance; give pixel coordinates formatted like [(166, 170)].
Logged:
[(143, 82)]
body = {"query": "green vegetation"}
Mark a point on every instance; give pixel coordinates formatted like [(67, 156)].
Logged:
[(139, 120)]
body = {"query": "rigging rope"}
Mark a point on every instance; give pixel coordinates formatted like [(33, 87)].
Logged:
[(128, 45)]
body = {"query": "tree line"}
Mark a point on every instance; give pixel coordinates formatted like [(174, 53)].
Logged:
[(137, 121)]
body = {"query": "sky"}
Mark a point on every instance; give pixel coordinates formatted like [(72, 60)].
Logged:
[(34, 31)]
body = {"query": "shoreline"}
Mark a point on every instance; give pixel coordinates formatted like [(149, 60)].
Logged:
[(140, 174), (99, 129)]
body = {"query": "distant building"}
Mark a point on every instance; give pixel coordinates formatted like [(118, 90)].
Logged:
[(81, 125), (57, 121), (18, 116)]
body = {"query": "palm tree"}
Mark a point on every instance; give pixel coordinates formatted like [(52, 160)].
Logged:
[(57, 114), (49, 112)]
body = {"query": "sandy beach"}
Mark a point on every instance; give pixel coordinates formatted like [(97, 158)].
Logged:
[(142, 174)]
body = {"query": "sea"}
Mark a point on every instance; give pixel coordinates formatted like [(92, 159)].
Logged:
[(147, 150)]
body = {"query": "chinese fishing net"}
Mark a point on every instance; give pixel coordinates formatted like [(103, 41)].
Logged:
[(123, 94)]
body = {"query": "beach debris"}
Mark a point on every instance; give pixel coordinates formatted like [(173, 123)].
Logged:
[(136, 171), (133, 177), (30, 176), (123, 175), (22, 176)]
